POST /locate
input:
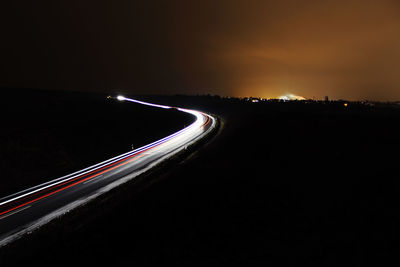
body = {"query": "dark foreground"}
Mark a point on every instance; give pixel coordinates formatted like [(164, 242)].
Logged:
[(283, 184)]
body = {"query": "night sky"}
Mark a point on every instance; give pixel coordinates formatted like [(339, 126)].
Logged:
[(344, 49)]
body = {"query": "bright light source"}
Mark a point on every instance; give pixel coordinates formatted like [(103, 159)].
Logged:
[(288, 97), (345, 104), (120, 98)]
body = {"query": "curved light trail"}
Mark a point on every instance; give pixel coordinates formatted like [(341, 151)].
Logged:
[(28, 209)]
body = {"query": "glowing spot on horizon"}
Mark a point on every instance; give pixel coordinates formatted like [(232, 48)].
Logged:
[(288, 97)]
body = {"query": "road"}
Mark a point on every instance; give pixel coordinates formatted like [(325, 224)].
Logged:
[(27, 210)]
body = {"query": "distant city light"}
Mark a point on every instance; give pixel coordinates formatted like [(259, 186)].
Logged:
[(288, 97), (345, 104)]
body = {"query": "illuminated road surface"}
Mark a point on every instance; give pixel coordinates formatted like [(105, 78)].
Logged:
[(26, 210)]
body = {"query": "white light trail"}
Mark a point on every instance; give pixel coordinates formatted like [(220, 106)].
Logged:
[(121, 98), (180, 136)]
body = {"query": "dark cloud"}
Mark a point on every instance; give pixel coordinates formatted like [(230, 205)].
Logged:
[(344, 49)]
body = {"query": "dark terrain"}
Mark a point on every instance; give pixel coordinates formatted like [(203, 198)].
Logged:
[(287, 184)]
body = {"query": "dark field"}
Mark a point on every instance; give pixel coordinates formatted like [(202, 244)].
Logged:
[(287, 184), (46, 135)]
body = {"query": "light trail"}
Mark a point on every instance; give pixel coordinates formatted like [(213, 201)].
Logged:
[(149, 155), (187, 131)]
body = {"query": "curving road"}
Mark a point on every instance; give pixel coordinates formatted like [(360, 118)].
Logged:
[(24, 211)]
